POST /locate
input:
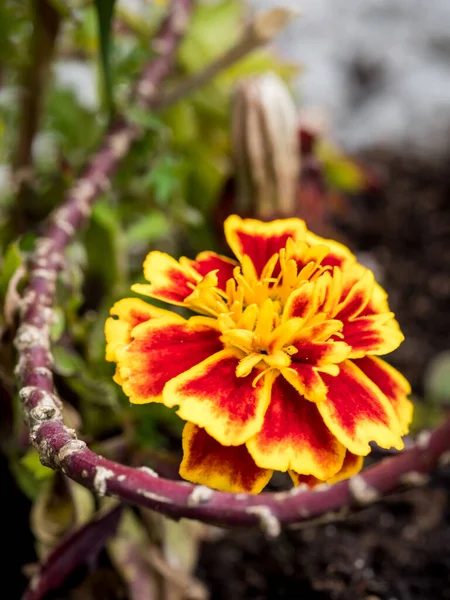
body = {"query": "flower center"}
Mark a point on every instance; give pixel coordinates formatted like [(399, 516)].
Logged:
[(284, 272), (259, 339), (250, 311)]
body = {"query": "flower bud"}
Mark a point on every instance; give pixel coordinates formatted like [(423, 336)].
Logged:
[(265, 148)]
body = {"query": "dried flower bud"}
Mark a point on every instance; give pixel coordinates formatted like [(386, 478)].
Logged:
[(265, 148)]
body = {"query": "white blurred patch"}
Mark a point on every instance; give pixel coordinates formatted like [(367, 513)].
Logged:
[(45, 151), (81, 78), (6, 182), (403, 44)]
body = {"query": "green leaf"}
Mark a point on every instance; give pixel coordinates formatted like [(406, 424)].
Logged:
[(95, 338), (67, 362), (165, 178), (99, 403), (260, 61), (183, 122), (340, 171), (145, 119), (29, 473), (30, 485), (104, 238), (148, 229), (206, 177), (75, 128), (151, 420), (27, 242), (70, 289), (426, 415), (213, 29), (33, 463), (58, 324), (437, 379), (105, 15), (98, 395), (11, 262), (95, 391)]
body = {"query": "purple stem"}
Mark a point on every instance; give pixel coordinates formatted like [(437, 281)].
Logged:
[(59, 447), (73, 550)]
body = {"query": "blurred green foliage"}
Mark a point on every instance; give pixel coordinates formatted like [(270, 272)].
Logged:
[(163, 196)]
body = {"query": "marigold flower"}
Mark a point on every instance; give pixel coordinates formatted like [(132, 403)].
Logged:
[(279, 369)]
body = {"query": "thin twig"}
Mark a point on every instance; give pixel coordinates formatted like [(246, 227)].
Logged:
[(59, 447), (260, 31)]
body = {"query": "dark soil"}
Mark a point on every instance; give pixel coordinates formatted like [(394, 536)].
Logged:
[(399, 549), (405, 229)]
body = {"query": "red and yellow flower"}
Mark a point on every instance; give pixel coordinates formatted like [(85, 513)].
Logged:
[(279, 369)]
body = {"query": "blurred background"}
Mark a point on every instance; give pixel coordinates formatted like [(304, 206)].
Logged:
[(380, 69), (364, 93)]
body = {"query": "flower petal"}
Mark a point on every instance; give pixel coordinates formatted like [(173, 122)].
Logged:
[(307, 380), (260, 241), (312, 357), (210, 395), (295, 437), (226, 468), (357, 412), (321, 331), (130, 312), (309, 480), (351, 466), (353, 463), (393, 385), (302, 302), (319, 353), (355, 297), (162, 349), (372, 335), (309, 361), (170, 280), (338, 256), (377, 303), (210, 261)]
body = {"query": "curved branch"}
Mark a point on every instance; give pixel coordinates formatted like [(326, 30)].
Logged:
[(59, 447)]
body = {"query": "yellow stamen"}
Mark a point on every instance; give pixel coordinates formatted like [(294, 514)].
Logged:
[(239, 338), (248, 318), (247, 364), (278, 360), (264, 323), (205, 298), (225, 322), (258, 377), (284, 334)]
